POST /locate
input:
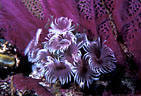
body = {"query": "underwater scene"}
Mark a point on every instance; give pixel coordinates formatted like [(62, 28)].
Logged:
[(70, 47)]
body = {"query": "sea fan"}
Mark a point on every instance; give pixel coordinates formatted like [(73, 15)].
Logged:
[(100, 57)]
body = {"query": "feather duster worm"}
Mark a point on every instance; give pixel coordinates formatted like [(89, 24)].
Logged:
[(46, 58), (100, 57), (32, 48), (40, 63), (58, 70), (72, 53), (62, 42), (61, 26), (81, 39), (60, 35), (59, 57), (83, 73)]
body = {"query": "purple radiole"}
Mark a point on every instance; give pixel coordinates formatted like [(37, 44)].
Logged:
[(59, 56), (100, 57)]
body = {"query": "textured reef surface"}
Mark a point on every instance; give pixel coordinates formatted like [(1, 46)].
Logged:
[(70, 47)]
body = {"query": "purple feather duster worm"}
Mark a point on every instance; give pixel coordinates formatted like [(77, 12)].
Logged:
[(59, 56), (61, 25), (81, 39), (72, 54), (48, 65), (49, 58), (58, 70), (100, 57), (60, 35), (62, 41), (32, 47), (84, 76)]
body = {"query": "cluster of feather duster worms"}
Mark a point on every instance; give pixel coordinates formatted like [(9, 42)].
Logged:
[(60, 56)]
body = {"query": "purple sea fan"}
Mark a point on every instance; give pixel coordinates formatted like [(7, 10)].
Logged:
[(18, 24), (58, 70), (100, 57), (83, 74)]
